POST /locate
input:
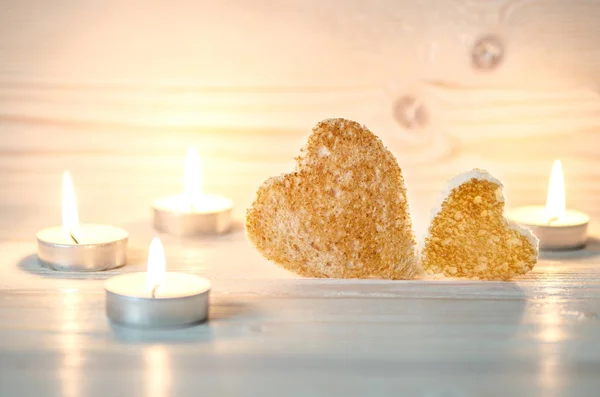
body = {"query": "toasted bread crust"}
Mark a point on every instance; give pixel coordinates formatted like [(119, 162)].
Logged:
[(470, 238), (342, 213)]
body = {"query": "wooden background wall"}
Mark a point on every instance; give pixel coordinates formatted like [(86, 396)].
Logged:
[(116, 91)]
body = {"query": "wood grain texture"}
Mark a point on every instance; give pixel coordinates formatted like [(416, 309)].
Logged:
[(116, 91)]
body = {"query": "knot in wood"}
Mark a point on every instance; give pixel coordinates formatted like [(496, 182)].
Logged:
[(410, 112), (488, 53)]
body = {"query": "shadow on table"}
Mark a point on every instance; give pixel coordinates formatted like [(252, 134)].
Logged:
[(473, 314), (221, 311), (591, 250), (136, 261), (189, 334)]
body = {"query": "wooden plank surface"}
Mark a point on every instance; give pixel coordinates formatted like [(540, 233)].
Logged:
[(116, 91), (272, 333)]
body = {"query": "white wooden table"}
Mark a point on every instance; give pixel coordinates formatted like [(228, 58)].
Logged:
[(273, 334)]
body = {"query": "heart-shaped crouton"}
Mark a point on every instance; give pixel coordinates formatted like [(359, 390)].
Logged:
[(342, 213), (469, 236)]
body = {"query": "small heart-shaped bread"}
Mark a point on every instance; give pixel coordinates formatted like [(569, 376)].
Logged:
[(469, 236), (342, 213)]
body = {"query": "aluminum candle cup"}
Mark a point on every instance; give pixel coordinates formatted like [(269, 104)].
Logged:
[(567, 232), (98, 247), (211, 215), (181, 299)]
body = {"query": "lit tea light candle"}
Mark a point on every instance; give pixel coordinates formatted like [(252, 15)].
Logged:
[(557, 227), (157, 298), (193, 213), (80, 247)]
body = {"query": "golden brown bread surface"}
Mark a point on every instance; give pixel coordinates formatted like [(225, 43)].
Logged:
[(469, 236), (342, 213)]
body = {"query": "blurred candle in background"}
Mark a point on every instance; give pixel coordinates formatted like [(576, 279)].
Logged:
[(557, 227), (193, 213)]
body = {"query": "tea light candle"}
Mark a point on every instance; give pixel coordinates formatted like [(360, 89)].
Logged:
[(193, 212), (80, 247), (157, 298), (557, 227)]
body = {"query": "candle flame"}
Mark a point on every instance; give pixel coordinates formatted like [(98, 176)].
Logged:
[(156, 265), (70, 218), (192, 179), (555, 203)]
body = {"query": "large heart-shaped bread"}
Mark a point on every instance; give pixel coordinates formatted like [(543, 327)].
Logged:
[(342, 213), (469, 236)]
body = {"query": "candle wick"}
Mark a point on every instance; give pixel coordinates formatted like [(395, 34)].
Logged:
[(73, 237), (553, 219), (154, 291)]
